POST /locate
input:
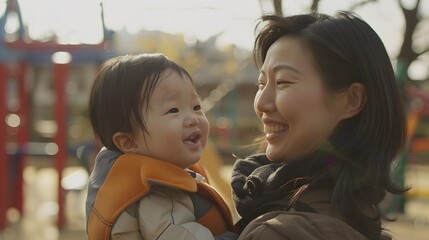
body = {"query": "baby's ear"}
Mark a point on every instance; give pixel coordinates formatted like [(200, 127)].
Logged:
[(124, 142)]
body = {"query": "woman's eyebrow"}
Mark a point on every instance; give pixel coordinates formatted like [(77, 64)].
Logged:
[(279, 67), (285, 66)]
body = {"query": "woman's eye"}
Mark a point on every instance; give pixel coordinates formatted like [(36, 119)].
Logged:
[(283, 82), (197, 107), (173, 110)]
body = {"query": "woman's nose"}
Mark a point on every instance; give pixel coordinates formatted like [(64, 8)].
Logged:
[(264, 100)]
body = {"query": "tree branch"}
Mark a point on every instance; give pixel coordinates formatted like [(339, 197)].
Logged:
[(360, 4), (423, 52), (278, 8), (401, 4), (417, 5), (414, 11), (315, 6)]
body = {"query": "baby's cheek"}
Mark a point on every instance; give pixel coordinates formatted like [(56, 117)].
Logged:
[(205, 128)]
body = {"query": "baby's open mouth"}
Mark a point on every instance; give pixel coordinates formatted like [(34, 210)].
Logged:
[(194, 138)]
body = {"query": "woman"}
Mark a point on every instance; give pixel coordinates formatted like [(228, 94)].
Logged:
[(333, 122)]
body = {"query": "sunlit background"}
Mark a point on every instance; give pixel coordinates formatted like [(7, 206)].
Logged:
[(50, 51)]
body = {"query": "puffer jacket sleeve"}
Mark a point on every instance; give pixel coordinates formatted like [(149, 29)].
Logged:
[(163, 214), (191, 231)]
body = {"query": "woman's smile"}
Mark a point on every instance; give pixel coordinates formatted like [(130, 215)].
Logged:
[(274, 130)]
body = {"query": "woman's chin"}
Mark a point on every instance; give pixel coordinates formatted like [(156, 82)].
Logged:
[(279, 156), (273, 155)]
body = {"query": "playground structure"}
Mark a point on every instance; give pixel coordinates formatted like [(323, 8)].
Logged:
[(417, 139), (16, 58)]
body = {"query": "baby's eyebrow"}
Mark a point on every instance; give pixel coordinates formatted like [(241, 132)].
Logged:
[(169, 97)]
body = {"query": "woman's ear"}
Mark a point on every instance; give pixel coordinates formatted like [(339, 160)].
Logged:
[(354, 99), (125, 142)]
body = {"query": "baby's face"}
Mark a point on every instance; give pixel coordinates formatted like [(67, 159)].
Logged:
[(177, 126)]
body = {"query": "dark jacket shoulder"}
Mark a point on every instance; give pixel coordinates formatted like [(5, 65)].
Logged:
[(298, 226)]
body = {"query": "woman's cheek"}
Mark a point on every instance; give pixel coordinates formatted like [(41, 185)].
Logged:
[(309, 111), (301, 104)]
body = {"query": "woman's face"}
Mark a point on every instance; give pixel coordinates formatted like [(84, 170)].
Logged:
[(297, 111)]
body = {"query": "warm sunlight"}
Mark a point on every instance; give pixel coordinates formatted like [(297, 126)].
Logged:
[(231, 21), (76, 21), (76, 74), (79, 20)]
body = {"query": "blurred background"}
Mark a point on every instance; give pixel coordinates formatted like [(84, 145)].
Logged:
[(50, 51)]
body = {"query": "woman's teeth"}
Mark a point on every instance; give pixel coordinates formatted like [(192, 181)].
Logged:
[(272, 128)]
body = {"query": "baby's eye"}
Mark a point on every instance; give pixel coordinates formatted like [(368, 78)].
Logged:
[(173, 110), (197, 107)]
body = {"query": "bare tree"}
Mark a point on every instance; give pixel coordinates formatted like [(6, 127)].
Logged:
[(360, 4), (412, 18), (407, 54), (315, 6), (278, 7)]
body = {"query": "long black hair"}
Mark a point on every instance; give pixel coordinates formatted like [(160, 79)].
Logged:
[(347, 50)]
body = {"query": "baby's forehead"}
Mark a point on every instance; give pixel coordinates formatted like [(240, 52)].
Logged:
[(175, 87), (175, 84), (171, 93)]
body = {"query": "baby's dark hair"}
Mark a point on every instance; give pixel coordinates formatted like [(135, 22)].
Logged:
[(121, 91)]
